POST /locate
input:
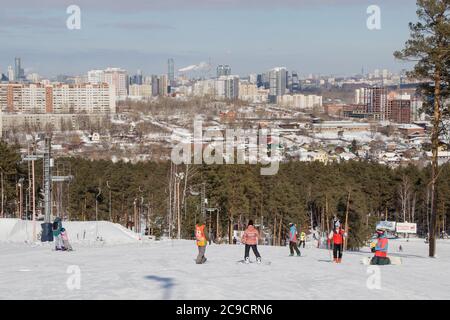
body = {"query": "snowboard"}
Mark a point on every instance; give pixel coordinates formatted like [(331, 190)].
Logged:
[(394, 261), (267, 263)]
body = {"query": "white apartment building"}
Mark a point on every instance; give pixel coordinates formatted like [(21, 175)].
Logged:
[(251, 93), (118, 79), (57, 98), (300, 101), (96, 76), (143, 91), (227, 87), (204, 88), (277, 83)]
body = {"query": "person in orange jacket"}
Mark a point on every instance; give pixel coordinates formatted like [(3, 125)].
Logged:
[(337, 237), (250, 239), (381, 249), (201, 240)]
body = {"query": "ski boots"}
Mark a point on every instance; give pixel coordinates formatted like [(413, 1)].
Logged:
[(258, 260), (247, 260)]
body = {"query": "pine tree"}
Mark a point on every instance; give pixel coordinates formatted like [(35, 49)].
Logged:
[(429, 46)]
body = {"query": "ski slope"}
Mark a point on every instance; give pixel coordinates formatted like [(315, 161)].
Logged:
[(166, 270)]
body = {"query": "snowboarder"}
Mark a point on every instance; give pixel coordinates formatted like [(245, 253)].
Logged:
[(250, 239), (200, 235), (56, 228), (293, 240), (337, 236), (65, 240), (302, 239), (381, 249)]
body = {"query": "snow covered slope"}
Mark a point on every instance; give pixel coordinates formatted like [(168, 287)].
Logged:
[(86, 232), (166, 270)]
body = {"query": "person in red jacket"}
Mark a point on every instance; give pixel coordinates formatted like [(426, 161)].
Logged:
[(381, 249), (250, 239), (337, 237)]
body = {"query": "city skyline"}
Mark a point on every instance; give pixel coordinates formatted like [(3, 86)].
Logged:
[(325, 38)]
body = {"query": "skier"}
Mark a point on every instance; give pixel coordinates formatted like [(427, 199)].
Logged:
[(293, 240), (250, 239), (381, 249), (337, 236), (56, 228), (200, 235), (302, 239), (65, 240)]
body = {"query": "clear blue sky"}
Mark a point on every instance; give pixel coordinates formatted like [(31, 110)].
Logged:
[(310, 36)]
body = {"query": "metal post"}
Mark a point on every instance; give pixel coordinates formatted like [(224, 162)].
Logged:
[(47, 180), (203, 198)]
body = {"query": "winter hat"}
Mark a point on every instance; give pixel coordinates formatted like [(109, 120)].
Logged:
[(250, 222)]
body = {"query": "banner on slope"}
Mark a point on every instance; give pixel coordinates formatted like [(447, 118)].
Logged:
[(406, 227), (387, 225)]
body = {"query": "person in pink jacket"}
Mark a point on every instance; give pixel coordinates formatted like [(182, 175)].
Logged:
[(65, 240), (250, 239)]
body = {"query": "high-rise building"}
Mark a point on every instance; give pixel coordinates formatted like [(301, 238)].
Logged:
[(137, 78), (163, 85), (10, 73), (96, 76), (295, 82), (19, 73), (171, 72), (155, 85), (227, 87), (277, 83), (375, 100), (223, 70), (118, 79)]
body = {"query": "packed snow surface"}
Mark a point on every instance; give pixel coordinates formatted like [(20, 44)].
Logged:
[(166, 270), (114, 264)]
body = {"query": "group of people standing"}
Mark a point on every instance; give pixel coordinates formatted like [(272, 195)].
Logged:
[(250, 239), (336, 238), (60, 236)]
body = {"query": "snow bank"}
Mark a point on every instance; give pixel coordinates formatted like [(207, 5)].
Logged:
[(82, 232)]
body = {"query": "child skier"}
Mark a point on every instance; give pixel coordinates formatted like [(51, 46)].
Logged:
[(56, 228), (302, 239), (250, 239), (65, 240), (293, 240), (200, 235), (381, 249), (337, 236)]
